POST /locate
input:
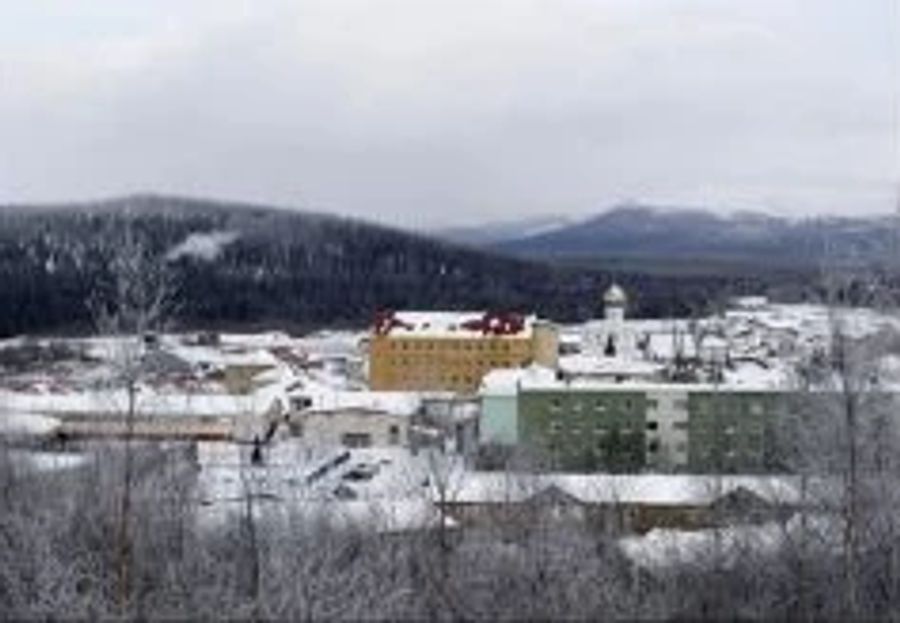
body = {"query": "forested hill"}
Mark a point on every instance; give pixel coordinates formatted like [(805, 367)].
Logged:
[(244, 266)]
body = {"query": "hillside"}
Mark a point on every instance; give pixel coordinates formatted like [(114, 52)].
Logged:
[(245, 266)]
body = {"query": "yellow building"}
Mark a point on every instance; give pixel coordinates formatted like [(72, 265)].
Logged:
[(452, 351)]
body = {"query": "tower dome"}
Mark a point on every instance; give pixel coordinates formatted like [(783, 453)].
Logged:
[(615, 296), (614, 303)]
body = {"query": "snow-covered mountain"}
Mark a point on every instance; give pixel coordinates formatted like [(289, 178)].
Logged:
[(652, 232)]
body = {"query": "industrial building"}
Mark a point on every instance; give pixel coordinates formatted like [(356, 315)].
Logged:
[(452, 351)]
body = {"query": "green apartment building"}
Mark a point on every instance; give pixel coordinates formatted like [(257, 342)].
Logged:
[(633, 428), (585, 430), (733, 431)]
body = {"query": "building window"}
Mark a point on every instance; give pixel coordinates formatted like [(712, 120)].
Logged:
[(555, 405), (651, 425), (394, 435), (653, 446), (356, 440)]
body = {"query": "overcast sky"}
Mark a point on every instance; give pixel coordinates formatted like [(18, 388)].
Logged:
[(419, 112)]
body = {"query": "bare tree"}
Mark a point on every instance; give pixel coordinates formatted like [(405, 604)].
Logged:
[(130, 307)]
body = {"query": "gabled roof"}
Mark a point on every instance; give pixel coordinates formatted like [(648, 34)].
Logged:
[(651, 489)]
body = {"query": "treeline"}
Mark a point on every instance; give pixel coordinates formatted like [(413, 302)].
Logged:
[(297, 270)]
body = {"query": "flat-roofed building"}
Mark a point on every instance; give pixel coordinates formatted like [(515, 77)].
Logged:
[(593, 426), (353, 419), (452, 351)]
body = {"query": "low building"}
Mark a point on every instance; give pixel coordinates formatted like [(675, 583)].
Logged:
[(618, 504), (353, 419), (154, 415), (452, 351)]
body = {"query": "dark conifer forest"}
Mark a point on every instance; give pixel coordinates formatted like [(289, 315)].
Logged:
[(299, 271)]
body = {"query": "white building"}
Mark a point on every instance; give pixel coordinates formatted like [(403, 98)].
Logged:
[(353, 419)]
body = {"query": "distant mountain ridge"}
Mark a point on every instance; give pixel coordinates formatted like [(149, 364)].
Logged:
[(648, 232)]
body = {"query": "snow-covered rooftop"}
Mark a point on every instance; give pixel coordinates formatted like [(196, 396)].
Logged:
[(507, 381), (393, 402), (745, 378), (587, 365), (149, 403), (450, 324), (656, 489), (224, 356)]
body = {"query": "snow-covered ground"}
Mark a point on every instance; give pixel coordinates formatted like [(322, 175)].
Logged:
[(725, 547), (385, 489), (181, 377), (760, 343)]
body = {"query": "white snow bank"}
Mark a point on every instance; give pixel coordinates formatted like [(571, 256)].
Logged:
[(27, 424), (205, 246), (48, 461)]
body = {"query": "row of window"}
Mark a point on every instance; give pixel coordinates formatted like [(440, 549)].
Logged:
[(576, 429), (431, 363), (749, 428), (729, 406), (599, 405), (713, 454), (616, 453), (558, 405), (430, 345), (364, 440), (653, 446), (680, 404), (414, 381)]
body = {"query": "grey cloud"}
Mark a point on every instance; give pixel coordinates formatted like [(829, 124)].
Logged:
[(417, 112)]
